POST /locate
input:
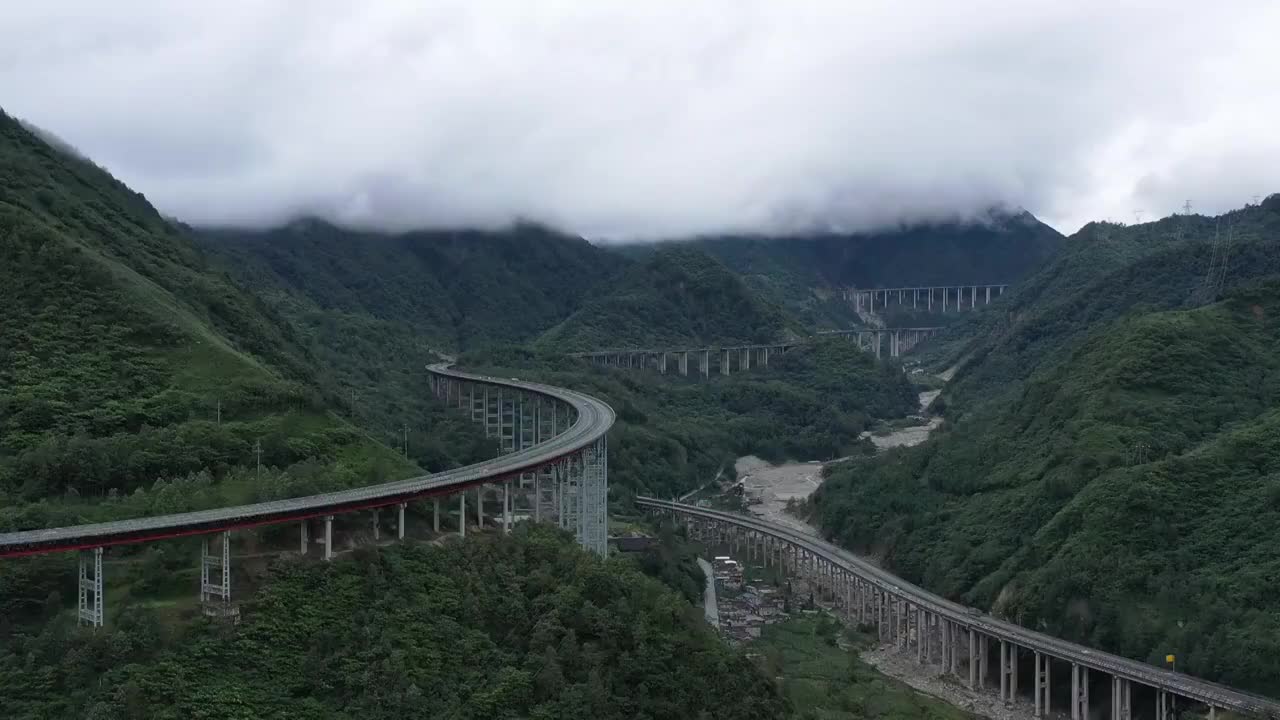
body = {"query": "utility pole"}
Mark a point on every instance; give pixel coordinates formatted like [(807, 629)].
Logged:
[(219, 412), (257, 450), (406, 440)]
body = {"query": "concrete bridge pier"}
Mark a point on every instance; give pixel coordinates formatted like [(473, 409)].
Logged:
[(219, 563), (724, 362), (704, 361), (1042, 690), (376, 532), (1121, 699), (328, 537), (302, 550), (684, 363), (435, 515), (90, 609), (1079, 692), (462, 514)]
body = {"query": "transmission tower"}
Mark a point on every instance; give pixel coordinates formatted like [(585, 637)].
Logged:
[(1215, 278)]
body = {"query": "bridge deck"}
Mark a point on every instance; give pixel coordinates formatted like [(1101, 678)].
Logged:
[(594, 420), (1182, 684)]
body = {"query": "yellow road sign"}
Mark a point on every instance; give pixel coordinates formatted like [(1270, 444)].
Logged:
[(1168, 658)]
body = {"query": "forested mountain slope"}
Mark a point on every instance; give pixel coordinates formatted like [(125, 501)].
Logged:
[(526, 626), (674, 435), (801, 272), (1110, 468), (137, 380), (123, 357), (454, 289), (675, 296)]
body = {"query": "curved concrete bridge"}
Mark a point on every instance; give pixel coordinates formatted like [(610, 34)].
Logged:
[(960, 638), (555, 457)]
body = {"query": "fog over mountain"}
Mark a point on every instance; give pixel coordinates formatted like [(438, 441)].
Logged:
[(640, 120)]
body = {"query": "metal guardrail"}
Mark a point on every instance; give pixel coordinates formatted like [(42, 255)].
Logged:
[(594, 418), (1187, 686)]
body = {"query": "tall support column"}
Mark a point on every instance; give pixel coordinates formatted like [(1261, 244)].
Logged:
[(400, 520), (921, 634), (1013, 672), (705, 363), (1038, 686), (506, 506), (982, 661), (1079, 692), (745, 360), (944, 300), (946, 645), (955, 649), (304, 540), (684, 363), (480, 507), (219, 562), (328, 537), (376, 532), (973, 659), (462, 514), (724, 362), (1004, 671), (90, 610), (988, 294), (930, 302), (435, 514)]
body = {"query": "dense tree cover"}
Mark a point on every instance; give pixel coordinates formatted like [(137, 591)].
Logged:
[(135, 381), (125, 359), (793, 270), (1110, 468), (678, 295), (821, 679), (674, 434), (526, 626), (452, 289), (1105, 272)]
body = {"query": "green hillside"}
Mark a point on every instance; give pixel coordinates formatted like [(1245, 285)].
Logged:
[(674, 435), (676, 296), (1110, 465), (802, 272), (135, 379), (526, 626)]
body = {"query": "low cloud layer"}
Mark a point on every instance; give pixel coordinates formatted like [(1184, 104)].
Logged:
[(635, 120)]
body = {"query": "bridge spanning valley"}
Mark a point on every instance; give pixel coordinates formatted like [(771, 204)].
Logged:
[(929, 299), (555, 458), (959, 638), (726, 358), (554, 461)]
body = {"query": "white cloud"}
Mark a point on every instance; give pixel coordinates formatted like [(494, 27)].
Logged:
[(652, 119)]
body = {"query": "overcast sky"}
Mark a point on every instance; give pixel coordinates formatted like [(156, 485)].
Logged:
[(643, 119)]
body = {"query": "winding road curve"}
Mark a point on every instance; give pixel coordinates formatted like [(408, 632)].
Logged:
[(593, 420), (1212, 694)]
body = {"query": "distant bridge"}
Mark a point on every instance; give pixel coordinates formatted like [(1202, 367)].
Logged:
[(555, 451), (929, 299), (728, 357), (956, 636)]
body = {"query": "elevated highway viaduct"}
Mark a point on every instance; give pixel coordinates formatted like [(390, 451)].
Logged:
[(554, 457), (725, 358), (961, 639)]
